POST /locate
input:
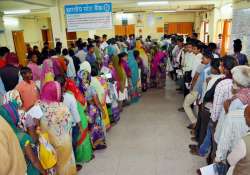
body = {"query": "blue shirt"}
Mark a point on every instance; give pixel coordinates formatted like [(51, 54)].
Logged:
[(202, 78), (91, 58)]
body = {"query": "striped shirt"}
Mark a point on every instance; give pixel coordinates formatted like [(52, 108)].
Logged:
[(223, 91)]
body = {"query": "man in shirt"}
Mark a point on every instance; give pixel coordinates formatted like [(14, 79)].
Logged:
[(27, 89), (3, 53), (80, 53), (71, 72), (90, 57), (193, 95), (187, 67), (104, 43), (240, 155)]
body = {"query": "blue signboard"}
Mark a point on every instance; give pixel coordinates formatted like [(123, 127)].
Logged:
[(84, 17)]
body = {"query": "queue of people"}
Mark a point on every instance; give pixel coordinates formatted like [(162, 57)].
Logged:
[(216, 101), (61, 105)]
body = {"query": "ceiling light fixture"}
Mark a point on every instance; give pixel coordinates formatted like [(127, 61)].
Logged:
[(165, 11), (148, 3), (13, 12)]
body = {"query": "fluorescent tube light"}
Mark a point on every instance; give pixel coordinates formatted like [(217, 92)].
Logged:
[(148, 3), (13, 12), (165, 11)]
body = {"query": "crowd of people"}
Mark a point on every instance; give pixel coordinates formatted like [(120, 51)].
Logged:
[(216, 100), (61, 105)]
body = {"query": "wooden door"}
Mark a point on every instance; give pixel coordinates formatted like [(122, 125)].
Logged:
[(172, 28), (20, 46), (71, 37), (180, 28), (130, 29), (226, 37), (122, 30), (47, 36)]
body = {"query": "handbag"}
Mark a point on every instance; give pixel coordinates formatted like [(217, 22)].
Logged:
[(46, 152)]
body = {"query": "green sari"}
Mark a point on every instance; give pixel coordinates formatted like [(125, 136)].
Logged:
[(10, 114), (120, 72), (84, 152)]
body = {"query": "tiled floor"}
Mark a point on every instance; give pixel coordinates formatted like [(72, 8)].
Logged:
[(150, 139)]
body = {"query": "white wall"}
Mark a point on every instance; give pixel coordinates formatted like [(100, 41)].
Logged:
[(150, 22), (31, 30)]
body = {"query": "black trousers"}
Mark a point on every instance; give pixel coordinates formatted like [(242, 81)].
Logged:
[(187, 79), (202, 123)]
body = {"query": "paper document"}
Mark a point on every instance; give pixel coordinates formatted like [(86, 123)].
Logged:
[(35, 112), (208, 170)]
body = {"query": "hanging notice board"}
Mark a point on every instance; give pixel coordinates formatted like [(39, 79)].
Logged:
[(83, 17), (241, 29)]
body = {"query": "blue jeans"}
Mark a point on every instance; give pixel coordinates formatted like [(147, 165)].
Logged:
[(207, 142)]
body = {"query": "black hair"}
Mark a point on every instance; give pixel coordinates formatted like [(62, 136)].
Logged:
[(215, 63), (229, 62), (198, 45), (104, 36), (30, 55), (52, 52), (35, 47), (60, 79), (136, 53), (208, 54), (180, 39), (25, 70), (3, 51), (65, 52), (122, 54), (94, 70), (212, 46), (46, 43), (195, 35), (71, 52), (58, 44), (90, 46), (80, 46), (58, 50), (237, 45)]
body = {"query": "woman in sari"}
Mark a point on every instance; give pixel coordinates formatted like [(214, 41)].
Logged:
[(9, 112), (94, 107), (11, 153), (57, 121), (84, 152), (47, 73), (101, 88), (158, 69), (121, 74), (144, 56), (134, 76), (110, 84)]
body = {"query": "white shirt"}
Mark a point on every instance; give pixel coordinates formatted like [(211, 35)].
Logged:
[(196, 62), (81, 55), (71, 71), (104, 45), (233, 129), (70, 101), (188, 61)]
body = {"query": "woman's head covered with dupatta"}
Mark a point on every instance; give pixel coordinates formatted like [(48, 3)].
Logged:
[(84, 76), (51, 92)]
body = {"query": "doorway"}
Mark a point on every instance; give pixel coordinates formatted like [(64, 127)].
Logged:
[(20, 47), (122, 30), (47, 36)]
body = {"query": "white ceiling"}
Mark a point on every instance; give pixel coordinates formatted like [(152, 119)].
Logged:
[(42, 6)]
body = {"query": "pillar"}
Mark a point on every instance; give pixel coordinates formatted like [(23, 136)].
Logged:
[(58, 25)]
